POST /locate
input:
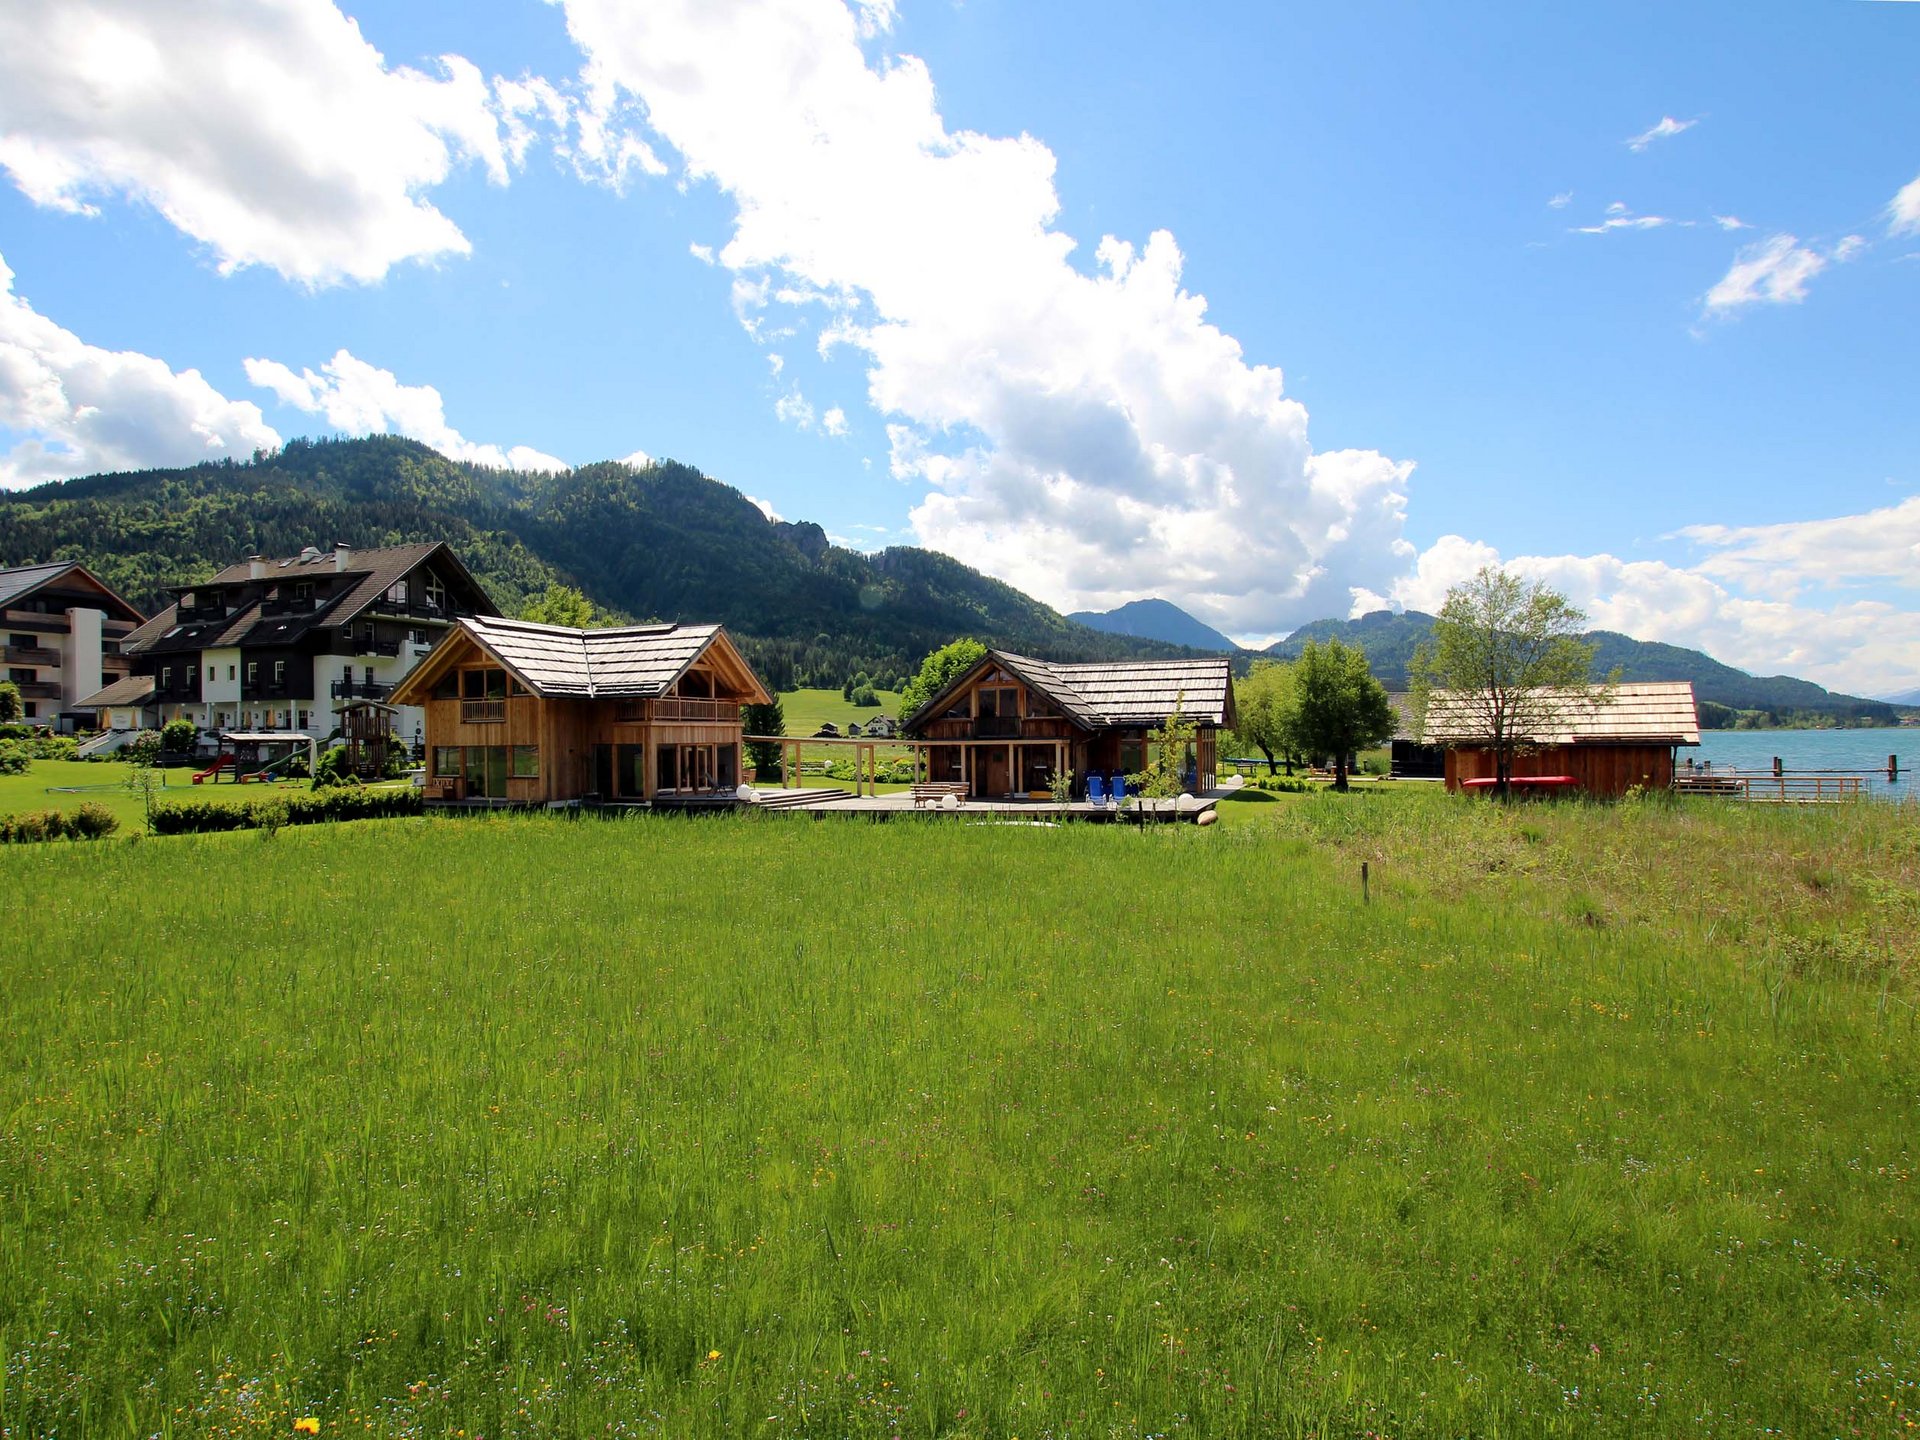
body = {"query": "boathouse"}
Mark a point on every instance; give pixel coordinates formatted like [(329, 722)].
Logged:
[(1605, 743), (525, 714)]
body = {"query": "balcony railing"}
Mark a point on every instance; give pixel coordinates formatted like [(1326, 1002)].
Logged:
[(483, 712), (359, 690), (996, 727), (415, 609), (674, 707), (32, 655), (359, 646), (38, 690)]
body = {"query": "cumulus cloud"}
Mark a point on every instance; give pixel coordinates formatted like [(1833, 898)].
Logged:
[(77, 408), (1770, 599), (273, 133), (1665, 130), (1903, 211), (1773, 272), (358, 399), (1079, 426)]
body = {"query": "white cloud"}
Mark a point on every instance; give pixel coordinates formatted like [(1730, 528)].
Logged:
[(766, 508), (273, 133), (834, 422), (1561, 201), (639, 460), (1619, 217), (358, 399), (795, 410), (1080, 429), (1775, 272), (1731, 222), (1770, 599), (1903, 211), (78, 408), (1665, 130)]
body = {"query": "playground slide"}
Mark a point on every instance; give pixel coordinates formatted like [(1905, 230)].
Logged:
[(212, 772)]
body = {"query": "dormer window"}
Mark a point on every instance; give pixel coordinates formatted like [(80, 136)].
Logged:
[(303, 593), (189, 601), (397, 592)]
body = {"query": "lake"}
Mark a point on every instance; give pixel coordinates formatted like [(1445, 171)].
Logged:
[(1859, 752)]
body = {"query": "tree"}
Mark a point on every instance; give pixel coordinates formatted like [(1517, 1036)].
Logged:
[(1168, 746), (560, 605), (1507, 653), (11, 706), (939, 670), (768, 719), (1264, 703), (1339, 707), (178, 736)]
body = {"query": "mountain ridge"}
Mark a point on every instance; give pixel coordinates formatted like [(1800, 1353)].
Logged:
[(1156, 619)]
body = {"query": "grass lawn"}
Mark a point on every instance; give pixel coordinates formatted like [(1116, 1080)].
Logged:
[(49, 785), (807, 710), (1595, 1121)]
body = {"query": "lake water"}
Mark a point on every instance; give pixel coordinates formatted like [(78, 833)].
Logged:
[(1854, 752)]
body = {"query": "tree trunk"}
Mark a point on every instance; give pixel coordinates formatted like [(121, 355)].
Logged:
[(1273, 765), (1340, 772)]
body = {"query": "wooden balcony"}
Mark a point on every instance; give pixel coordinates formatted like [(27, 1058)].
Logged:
[(31, 655), (483, 712), (678, 709)]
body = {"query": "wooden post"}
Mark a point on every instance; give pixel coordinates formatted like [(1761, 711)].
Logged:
[(1776, 767), (1893, 769), (1365, 898)]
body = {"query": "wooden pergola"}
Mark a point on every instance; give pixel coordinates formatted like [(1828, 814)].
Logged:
[(866, 758)]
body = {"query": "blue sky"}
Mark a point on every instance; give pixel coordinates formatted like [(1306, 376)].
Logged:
[(1624, 297)]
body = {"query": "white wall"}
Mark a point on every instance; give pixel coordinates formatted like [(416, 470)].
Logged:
[(80, 666)]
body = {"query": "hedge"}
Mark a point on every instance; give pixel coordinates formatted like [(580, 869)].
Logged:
[(199, 817), (89, 822)]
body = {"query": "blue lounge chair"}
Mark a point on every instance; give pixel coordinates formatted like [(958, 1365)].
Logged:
[(1096, 790), (1119, 788)]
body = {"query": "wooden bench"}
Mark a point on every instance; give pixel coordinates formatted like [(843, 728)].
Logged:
[(932, 792)]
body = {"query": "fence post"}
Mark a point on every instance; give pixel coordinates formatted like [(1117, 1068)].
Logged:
[(1365, 898), (1776, 767)]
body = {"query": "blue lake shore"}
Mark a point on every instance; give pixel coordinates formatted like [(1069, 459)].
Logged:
[(1853, 752)]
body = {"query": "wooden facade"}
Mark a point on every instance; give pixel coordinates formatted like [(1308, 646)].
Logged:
[(1009, 725), (522, 733), (1600, 769)]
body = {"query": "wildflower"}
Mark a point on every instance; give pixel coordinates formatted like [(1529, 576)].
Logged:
[(712, 1355), (306, 1425)]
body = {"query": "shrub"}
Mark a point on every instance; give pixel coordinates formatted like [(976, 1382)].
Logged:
[(179, 736), (53, 747), (342, 802), (332, 769), (92, 821), (1283, 784), (14, 757), (143, 749)]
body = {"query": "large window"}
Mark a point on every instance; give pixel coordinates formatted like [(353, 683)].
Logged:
[(487, 684), (526, 762), (487, 771), (449, 761)]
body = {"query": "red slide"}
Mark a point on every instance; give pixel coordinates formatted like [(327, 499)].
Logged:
[(225, 762)]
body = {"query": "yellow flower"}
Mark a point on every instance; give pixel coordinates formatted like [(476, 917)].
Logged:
[(713, 1355), (306, 1425)]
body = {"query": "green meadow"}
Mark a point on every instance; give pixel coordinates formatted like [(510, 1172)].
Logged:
[(66, 785), (1586, 1121)]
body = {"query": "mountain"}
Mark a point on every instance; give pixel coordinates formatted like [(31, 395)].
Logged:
[(1905, 697), (1156, 620), (659, 542), (1389, 641)]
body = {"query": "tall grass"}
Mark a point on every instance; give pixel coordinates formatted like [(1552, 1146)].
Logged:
[(787, 1128)]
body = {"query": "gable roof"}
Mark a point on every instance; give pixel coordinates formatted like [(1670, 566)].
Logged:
[(127, 690), (20, 582), (559, 661), (1659, 712), (371, 574), (1103, 694)]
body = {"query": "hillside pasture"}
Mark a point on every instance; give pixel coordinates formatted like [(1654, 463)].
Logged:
[(768, 1126)]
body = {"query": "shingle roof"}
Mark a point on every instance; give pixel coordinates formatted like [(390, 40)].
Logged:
[(631, 662), (375, 570), (127, 690), (1105, 693), (1648, 712)]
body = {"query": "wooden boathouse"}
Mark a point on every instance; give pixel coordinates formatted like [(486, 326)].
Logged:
[(524, 714), (1606, 743), (1010, 723)]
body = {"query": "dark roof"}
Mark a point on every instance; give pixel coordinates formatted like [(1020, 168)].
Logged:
[(371, 573), (1657, 712), (127, 690), (1105, 694), (629, 662), (17, 584)]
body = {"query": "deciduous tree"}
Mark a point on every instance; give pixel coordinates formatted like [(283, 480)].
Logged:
[(1507, 653), (1338, 706), (938, 671)]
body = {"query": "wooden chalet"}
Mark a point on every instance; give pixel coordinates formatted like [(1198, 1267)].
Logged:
[(1627, 738), (526, 714), (1011, 723)]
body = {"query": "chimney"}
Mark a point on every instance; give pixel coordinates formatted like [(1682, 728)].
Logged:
[(256, 567), (342, 553)]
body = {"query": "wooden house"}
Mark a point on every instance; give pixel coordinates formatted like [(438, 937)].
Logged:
[(526, 714), (1627, 738), (1011, 723)]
